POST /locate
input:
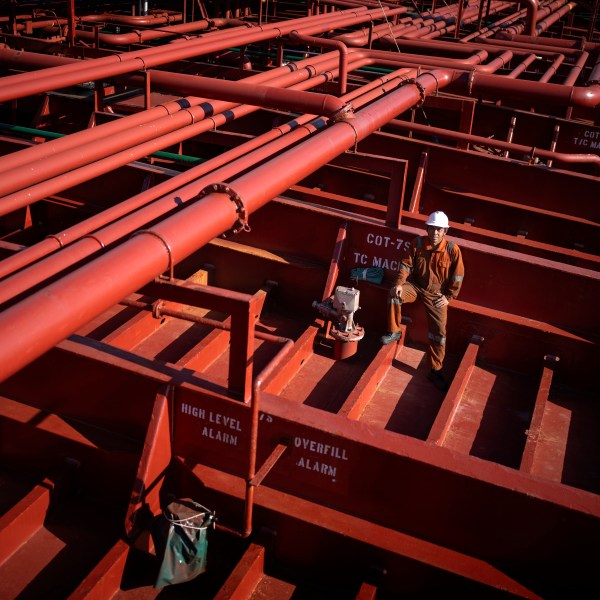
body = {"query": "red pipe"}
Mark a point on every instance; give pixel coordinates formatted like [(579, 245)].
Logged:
[(38, 273), (534, 91), (257, 386), (443, 21), (66, 305), (29, 156), (557, 43), (237, 159), (495, 44), (236, 91), (19, 86), (326, 43), (101, 145), (229, 164), (139, 36), (88, 147), (588, 95), (551, 13), (532, 10), (526, 62), (552, 69), (152, 18), (491, 29), (71, 17), (500, 144), (100, 141)]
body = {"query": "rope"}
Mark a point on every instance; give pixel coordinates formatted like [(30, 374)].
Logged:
[(389, 26)]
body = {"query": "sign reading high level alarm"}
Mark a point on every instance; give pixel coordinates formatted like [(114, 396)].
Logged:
[(214, 425), (216, 433)]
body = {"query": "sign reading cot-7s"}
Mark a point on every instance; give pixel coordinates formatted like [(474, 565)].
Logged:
[(377, 248)]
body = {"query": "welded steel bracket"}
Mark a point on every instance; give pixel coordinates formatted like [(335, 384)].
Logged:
[(223, 188)]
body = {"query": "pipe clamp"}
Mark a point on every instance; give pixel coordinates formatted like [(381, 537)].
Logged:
[(164, 243), (437, 83)]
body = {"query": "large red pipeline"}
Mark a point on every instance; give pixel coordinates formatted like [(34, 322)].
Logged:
[(139, 36), (532, 10), (66, 305), (221, 168), (19, 86), (92, 145), (444, 17), (231, 91), (281, 75), (152, 18), (547, 15), (533, 91), (557, 43), (562, 157), (38, 272), (50, 168), (43, 176)]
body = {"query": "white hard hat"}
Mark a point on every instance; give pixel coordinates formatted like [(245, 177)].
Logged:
[(438, 219)]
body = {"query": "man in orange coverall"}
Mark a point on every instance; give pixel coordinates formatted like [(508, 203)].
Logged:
[(436, 272)]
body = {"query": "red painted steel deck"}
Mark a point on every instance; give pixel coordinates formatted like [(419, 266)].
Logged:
[(165, 231)]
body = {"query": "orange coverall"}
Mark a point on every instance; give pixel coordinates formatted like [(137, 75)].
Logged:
[(432, 273)]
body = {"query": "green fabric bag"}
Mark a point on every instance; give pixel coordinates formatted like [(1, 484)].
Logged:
[(180, 540), (370, 274)]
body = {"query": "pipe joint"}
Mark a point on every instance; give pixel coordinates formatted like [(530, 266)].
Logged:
[(420, 87), (223, 188), (343, 114), (157, 308)]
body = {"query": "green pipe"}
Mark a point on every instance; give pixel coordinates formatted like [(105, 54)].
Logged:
[(52, 135)]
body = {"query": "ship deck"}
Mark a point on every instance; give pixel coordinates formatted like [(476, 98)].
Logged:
[(159, 294)]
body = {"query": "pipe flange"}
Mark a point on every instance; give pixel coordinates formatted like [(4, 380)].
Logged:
[(223, 188), (470, 82), (420, 87), (343, 114), (157, 307)]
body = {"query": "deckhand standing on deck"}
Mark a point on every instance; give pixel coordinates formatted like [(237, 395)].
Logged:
[(436, 270)]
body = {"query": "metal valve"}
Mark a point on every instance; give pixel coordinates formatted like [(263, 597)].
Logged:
[(340, 309)]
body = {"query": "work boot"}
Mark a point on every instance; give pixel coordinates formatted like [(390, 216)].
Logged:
[(392, 336), (438, 380)]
